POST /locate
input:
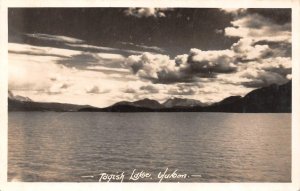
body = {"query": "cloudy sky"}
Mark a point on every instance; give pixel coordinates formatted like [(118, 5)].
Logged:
[(100, 56)]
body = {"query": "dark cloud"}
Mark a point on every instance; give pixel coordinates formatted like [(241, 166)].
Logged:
[(150, 89), (279, 49), (105, 27), (170, 77), (258, 28), (33, 53), (130, 91), (85, 60), (65, 86), (277, 15), (69, 43), (210, 63), (143, 47)]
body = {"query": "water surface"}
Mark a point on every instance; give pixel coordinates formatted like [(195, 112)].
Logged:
[(221, 147)]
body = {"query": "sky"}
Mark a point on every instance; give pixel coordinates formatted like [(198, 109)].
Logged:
[(100, 56)]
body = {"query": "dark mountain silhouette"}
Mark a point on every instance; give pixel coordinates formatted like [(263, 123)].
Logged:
[(145, 103), (20, 103), (271, 99), (19, 98)]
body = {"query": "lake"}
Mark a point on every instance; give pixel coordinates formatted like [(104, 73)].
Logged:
[(207, 147)]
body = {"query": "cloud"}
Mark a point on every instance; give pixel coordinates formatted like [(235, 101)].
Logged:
[(57, 88), (260, 73), (69, 43), (219, 31), (246, 50), (234, 11), (150, 89), (147, 12), (42, 78), (96, 90), (278, 49), (144, 47), (27, 49), (92, 48), (57, 38), (278, 15), (130, 91), (182, 89), (262, 79), (85, 60), (263, 52), (259, 28), (279, 65), (160, 68), (27, 73), (107, 70), (155, 67), (260, 57), (210, 62)]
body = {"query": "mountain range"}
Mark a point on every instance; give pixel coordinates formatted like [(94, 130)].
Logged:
[(20, 103), (270, 99)]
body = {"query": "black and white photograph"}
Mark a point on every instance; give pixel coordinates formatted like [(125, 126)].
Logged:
[(149, 94)]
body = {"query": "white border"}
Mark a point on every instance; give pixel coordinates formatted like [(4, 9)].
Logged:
[(294, 4)]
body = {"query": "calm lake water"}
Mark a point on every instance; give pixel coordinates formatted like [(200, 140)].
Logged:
[(218, 147)]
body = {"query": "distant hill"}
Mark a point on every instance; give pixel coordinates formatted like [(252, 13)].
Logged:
[(146, 103), (20, 103), (271, 99), (18, 98)]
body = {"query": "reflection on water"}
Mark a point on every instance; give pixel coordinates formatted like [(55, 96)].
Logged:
[(48, 146)]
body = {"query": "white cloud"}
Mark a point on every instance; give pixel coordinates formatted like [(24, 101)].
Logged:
[(147, 12), (103, 68), (246, 50), (210, 62), (154, 67), (144, 47), (96, 90), (150, 89), (262, 78), (182, 89), (41, 78), (234, 11), (56, 38), (39, 50), (28, 72), (102, 48), (160, 68)]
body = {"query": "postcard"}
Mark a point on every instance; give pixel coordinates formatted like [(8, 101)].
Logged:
[(150, 96)]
